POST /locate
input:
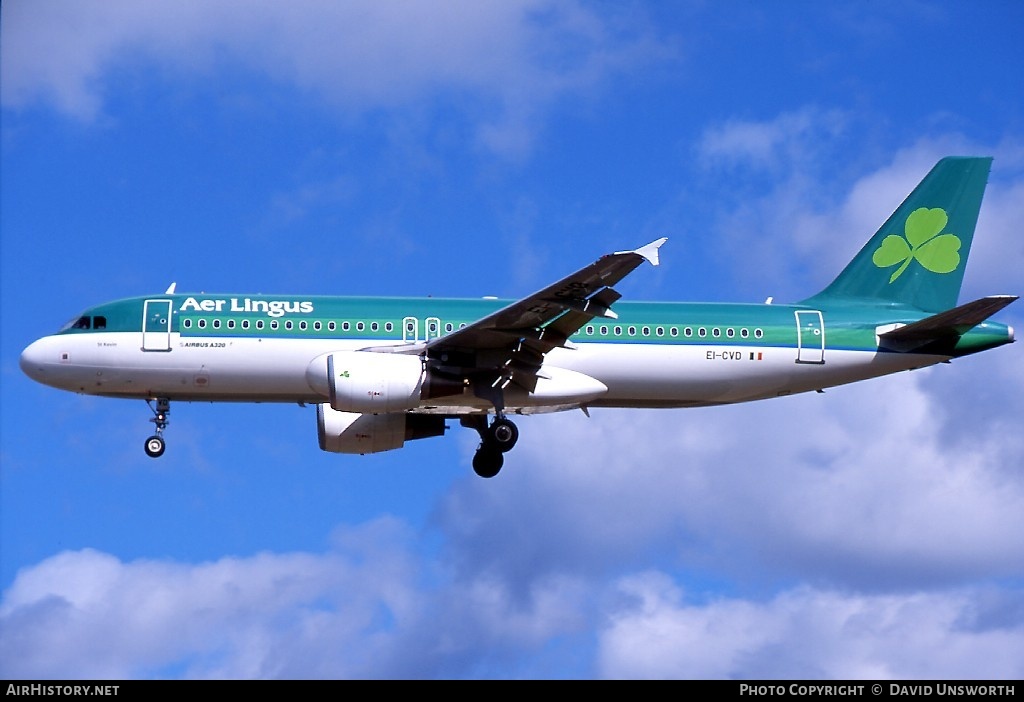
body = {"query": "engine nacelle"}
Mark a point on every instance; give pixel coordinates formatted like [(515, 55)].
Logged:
[(365, 381), (350, 432)]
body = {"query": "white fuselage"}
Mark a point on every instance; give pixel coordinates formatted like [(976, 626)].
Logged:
[(275, 370)]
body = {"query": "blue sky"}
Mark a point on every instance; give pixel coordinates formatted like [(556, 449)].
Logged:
[(470, 149)]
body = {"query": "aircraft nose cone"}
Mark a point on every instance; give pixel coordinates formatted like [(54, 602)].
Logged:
[(35, 359)]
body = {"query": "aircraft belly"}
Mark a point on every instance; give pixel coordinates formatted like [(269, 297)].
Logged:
[(246, 369), (691, 375), (677, 374)]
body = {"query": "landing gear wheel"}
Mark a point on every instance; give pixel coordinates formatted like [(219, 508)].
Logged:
[(487, 461), (155, 446), (503, 434)]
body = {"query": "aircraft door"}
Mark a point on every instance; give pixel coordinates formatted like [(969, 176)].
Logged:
[(810, 337), (156, 325), (410, 330), (433, 328)]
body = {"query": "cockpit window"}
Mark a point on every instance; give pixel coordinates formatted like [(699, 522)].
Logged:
[(86, 322)]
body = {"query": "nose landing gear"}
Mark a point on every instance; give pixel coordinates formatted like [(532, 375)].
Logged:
[(155, 445), (495, 441)]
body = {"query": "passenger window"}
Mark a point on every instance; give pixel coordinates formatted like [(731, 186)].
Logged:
[(259, 323), (216, 324), (744, 333), (288, 325), (632, 331), (303, 326), (345, 326), (231, 324), (646, 331), (716, 332), (245, 324), (590, 331), (374, 326), (447, 327), (688, 332), (360, 326), (758, 333), (618, 331), (389, 327), (317, 326), (274, 324), (188, 323), (702, 332), (674, 331), (660, 331), (604, 331), (331, 326), (730, 332)]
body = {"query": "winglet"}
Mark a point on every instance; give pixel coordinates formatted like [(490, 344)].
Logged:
[(170, 289), (649, 252)]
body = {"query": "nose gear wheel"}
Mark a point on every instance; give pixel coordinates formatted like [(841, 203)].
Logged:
[(155, 445)]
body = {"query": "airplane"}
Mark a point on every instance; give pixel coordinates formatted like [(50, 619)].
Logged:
[(383, 371)]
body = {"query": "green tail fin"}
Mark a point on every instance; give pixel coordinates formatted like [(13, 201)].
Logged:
[(919, 255)]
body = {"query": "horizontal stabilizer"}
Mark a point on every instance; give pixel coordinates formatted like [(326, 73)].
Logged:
[(944, 325)]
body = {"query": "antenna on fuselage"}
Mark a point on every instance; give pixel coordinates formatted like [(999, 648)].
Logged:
[(170, 289)]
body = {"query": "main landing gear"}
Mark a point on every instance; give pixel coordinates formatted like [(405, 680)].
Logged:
[(155, 444), (495, 441)]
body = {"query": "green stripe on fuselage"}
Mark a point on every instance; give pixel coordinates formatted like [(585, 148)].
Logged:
[(846, 326)]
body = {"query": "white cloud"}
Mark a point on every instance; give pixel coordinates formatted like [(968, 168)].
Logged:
[(789, 137), (805, 633), (365, 608), (87, 614), (512, 58), (997, 257), (373, 611)]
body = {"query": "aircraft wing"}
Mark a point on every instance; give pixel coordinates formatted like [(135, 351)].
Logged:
[(508, 346)]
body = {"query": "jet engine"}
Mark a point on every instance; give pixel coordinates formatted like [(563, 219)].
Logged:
[(373, 382), (351, 432), (364, 381)]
